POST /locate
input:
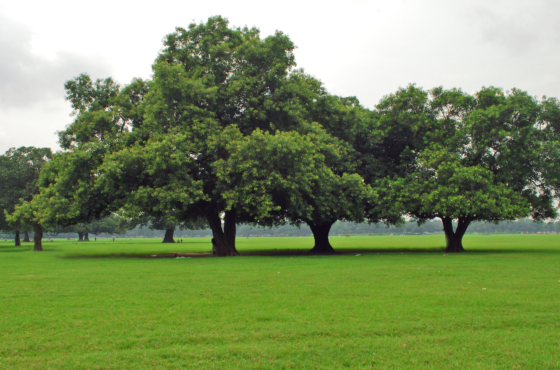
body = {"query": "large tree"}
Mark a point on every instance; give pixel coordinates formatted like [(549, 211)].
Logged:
[(489, 156), (356, 146), (207, 79), (19, 174), (295, 178)]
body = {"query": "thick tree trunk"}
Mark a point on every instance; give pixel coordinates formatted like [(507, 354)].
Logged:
[(224, 240), (321, 236), (80, 236), (454, 239), (168, 238), (26, 237), (86, 237), (17, 239), (38, 238)]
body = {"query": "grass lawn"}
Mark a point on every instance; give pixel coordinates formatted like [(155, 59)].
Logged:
[(402, 303)]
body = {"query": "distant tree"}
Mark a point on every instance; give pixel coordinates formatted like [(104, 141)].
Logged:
[(26, 236), (491, 156), (19, 174), (55, 230), (170, 224), (112, 224)]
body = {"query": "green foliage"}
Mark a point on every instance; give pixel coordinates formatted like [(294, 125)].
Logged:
[(237, 70), (206, 78), (367, 144), (289, 177), (104, 114), (491, 156), (19, 174), (68, 195), (167, 222), (103, 110), (112, 225), (444, 187)]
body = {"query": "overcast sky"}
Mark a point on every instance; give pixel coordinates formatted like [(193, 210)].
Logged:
[(357, 48)]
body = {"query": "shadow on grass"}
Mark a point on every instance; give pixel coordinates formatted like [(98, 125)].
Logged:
[(14, 249), (512, 250), (306, 252), (136, 255), (29, 250), (264, 253)]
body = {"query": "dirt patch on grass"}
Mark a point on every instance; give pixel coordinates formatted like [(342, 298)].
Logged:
[(175, 255)]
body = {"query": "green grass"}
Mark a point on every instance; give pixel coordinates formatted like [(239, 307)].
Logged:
[(402, 303)]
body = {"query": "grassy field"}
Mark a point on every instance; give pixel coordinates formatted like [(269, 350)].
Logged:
[(384, 302)]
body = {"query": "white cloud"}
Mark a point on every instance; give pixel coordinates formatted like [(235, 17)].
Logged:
[(26, 78), (33, 126), (519, 27)]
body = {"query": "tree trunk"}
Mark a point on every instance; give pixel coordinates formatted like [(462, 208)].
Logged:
[(454, 239), (17, 239), (321, 236), (38, 238), (80, 236), (86, 237), (26, 237), (168, 238), (224, 240)]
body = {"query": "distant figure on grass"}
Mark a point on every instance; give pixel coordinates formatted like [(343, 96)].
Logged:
[(113, 239)]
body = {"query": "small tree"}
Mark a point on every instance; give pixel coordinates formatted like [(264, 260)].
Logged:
[(19, 174)]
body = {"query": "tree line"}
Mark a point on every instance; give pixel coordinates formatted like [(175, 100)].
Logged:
[(340, 228), (228, 131)]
